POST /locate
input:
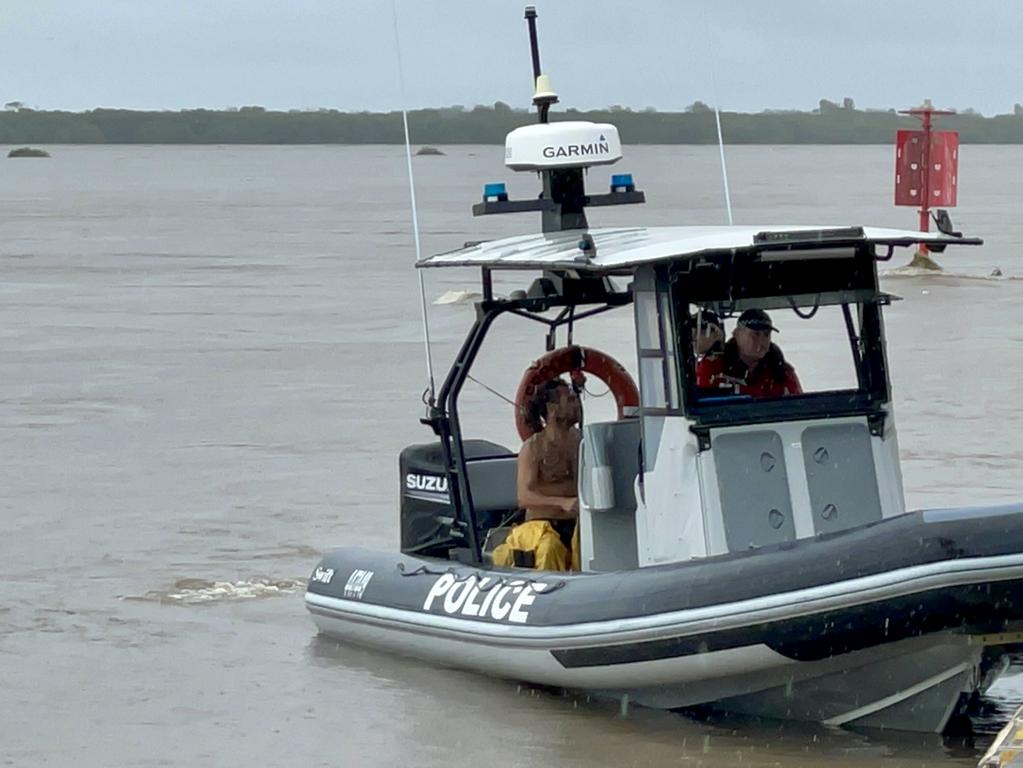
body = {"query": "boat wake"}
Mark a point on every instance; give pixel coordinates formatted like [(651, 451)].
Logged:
[(193, 591), (944, 274), (458, 297)]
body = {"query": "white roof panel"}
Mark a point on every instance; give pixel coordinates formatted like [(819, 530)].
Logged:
[(628, 247)]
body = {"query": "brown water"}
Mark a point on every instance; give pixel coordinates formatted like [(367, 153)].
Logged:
[(210, 359)]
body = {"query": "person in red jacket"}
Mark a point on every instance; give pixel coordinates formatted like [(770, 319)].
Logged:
[(750, 364)]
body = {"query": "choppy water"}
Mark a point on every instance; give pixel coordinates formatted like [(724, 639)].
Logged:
[(209, 359)]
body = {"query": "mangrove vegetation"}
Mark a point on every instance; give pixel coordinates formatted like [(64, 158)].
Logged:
[(830, 123)]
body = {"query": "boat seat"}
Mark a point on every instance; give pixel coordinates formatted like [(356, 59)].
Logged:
[(492, 482)]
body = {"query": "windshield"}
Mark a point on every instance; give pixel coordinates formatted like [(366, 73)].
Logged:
[(751, 350), (772, 355)]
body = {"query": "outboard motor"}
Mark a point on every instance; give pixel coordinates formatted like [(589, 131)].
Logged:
[(426, 509)]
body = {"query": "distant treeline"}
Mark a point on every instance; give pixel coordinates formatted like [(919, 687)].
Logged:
[(831, 123)]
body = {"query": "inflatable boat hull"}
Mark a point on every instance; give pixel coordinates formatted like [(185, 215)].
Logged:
[(885, 625)]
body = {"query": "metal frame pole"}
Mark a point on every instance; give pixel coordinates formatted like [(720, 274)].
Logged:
[(925, 174)]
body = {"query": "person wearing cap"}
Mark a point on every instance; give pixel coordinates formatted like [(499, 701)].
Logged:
[(708, 334), (751, 363)]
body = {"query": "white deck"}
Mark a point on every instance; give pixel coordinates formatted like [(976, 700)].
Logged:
[(622, 248)]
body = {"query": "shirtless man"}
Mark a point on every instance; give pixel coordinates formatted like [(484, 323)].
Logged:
[(546, 479), (547, 465)]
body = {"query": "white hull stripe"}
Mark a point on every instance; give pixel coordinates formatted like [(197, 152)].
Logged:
[(724, 616)]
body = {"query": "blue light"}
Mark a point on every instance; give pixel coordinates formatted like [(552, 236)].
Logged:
[(495, 191), (622, 182)]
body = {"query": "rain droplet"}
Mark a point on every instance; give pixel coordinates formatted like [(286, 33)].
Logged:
[(775, 518), (820, 455), (829, 511), (767, 461)]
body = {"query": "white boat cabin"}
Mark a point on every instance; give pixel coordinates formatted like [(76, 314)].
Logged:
[(700, 471)]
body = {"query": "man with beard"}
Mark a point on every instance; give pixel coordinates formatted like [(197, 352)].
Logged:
[(547, 483)]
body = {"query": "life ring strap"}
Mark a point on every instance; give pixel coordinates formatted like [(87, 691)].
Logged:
[(575, 360)]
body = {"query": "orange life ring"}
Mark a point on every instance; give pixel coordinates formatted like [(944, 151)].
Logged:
[(575, 361)]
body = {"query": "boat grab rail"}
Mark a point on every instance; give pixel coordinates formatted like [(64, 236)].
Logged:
[(484, 583)]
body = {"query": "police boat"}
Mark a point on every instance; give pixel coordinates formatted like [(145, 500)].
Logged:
[(753, 555)]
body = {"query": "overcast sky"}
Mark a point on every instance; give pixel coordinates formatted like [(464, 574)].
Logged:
[(747, 55)]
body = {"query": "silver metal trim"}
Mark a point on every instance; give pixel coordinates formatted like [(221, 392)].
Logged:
[(895, 698)]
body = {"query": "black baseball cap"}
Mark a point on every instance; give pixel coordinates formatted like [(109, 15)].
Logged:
[(710, 317), (757, 320)]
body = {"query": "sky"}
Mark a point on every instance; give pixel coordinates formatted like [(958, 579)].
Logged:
[(744, 55)]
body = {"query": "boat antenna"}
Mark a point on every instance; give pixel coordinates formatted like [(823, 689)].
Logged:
[(724, 166), (534, 47), (430, 395), (543, 96), (717, 121)]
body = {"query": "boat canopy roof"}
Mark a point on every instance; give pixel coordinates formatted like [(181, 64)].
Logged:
[(623, 249)]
